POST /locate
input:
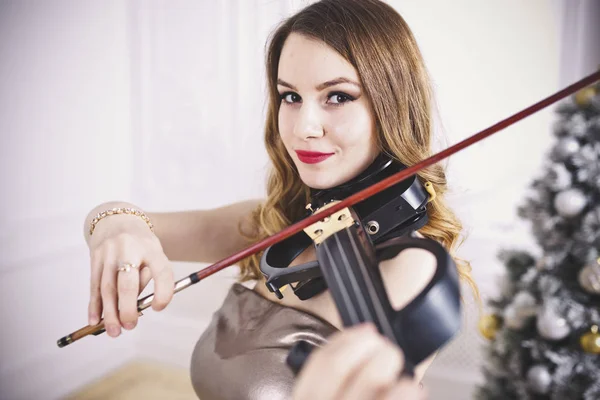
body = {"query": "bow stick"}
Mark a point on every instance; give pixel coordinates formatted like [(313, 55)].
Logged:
[(196, 277)]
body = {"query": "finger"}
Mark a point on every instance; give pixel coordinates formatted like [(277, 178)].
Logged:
[(145, 276), (349, 336), (164, 282), (95, 304), (108, 288), (405, 389), (128, 283), (337, 360), (378, 374)]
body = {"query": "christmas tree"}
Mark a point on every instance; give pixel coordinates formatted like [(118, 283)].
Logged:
[(543, 329)]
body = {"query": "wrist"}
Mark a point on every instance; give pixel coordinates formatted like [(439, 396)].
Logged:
[(111, 213), (116, 225)]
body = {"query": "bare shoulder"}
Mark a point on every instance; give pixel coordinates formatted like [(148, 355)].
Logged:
[(406, 275)]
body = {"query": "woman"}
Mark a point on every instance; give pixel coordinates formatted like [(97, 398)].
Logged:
[(347, 84)]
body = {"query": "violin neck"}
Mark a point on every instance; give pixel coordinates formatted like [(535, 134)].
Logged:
[(349, 266)]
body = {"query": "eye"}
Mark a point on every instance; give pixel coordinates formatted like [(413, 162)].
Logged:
[(290, 97), (339, 98)]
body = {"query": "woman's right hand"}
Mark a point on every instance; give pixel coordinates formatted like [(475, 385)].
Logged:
[(118, 240), (356, 363)]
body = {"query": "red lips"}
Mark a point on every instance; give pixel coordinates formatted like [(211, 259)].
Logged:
[(312, 157)]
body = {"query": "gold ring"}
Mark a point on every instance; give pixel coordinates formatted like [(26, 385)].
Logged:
[(126, 267)]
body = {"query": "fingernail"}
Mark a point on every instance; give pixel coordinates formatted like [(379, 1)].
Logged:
[(93, 320), (113, 330), (129, 325)]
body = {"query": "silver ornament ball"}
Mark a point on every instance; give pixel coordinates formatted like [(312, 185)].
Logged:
[(589, 278), (565, 148), (539, 379), (525, 304), (569, 203), (552, 326), (512, 318)]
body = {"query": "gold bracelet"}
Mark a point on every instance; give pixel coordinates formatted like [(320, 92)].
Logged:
[(120, 210)]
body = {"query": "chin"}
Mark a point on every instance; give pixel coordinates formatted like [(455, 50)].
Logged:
[(320, 179), (327, 176), (315, 182)]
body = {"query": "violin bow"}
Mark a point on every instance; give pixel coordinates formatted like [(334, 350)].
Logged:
[(196, 277)]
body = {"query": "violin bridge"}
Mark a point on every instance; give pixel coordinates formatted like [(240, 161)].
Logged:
[(339, 220)]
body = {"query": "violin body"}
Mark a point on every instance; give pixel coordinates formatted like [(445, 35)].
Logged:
[(350, 266)]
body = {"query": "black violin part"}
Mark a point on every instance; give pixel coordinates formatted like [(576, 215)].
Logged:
[(434, 317), (349, 263)]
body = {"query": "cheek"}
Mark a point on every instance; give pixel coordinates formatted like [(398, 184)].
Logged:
[(353, 128), (285, 123)]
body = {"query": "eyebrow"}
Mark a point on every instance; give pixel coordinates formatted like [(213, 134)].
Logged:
[(323, 85)]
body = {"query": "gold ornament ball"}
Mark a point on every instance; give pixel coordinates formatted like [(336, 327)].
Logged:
[(489, 326), (590, 341), (583, 97)]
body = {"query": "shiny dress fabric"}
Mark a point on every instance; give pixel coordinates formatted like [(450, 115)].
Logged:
[(241, 355)]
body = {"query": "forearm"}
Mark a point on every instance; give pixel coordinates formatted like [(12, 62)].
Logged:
[(195, 235)]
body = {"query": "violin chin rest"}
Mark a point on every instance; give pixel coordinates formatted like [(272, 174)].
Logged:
[(434, 316)]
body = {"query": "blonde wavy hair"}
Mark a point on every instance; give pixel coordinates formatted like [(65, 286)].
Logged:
[(376, 40)]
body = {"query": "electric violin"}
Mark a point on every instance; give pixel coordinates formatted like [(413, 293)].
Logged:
[(352, 229), (349, 246)]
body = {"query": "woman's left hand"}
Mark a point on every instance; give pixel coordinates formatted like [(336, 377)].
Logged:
[(357, 363)]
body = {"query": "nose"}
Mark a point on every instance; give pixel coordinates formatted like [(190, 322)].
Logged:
[(309, 123)]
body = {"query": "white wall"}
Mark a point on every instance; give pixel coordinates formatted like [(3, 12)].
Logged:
[(580, 38), (161, 104), (64, 113)]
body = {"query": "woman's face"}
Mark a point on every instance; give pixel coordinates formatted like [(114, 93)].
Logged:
[(325, 121)]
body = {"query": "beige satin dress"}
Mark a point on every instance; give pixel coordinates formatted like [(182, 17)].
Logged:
[(241, 355)]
